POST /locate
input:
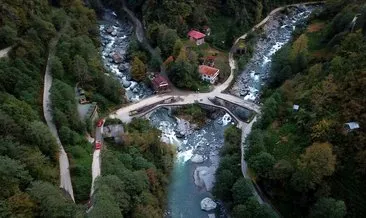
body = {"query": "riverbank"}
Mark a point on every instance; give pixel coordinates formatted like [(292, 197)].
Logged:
[(277, 31), (116, 37), (197, 159)]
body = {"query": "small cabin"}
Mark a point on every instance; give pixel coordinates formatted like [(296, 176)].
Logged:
[(160, 84), (197, 37), (208, 73), (295, 107), (351, 126)]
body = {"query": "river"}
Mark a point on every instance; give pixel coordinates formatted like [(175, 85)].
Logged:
[(115, 37), (197, 159), (198, 151), (276, 33)]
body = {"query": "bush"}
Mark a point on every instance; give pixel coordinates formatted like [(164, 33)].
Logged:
[(8, 35)]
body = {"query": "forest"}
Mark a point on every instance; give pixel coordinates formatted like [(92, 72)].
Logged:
[(28, 152), (231, 187), (135, 175), (305, 159)]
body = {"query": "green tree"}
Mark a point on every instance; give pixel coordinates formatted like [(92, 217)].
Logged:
[(224, 182), (52, 202), (8, 35), (241, 191), (319, 161), (184, 75), (13, 176), (177, 48), (138, 69), (21, 205), (262, 163), (39, 135), (57, 68), (118, 189), (282, 170), (81, 70), (328, 207)]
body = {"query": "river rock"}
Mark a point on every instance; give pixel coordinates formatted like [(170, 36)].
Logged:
[(204, 177), (126, 84), (183, 127), (208, 204), (109, 29), (211, 215), (123, 67), (197, 158)]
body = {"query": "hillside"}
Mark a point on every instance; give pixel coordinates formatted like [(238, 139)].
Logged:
[(28, 151), (305, 159)]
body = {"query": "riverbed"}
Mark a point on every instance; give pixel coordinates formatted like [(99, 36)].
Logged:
[(197, 159), (276, 33), (115, 37)]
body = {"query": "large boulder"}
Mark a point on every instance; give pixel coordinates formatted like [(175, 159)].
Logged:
[(204, 177), (197, 158), (208, 204), (126, 84)]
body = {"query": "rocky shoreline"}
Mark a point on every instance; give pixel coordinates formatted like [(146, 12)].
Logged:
[(115, 38), (197, 153), (276, 33)]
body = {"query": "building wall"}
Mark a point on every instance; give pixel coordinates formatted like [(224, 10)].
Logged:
[(200, 41), (210, 79)]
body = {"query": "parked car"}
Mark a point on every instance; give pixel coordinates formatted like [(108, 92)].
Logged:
[(100, 123), (98, 145)]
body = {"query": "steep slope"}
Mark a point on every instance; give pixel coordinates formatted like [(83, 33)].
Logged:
[(318, 164)]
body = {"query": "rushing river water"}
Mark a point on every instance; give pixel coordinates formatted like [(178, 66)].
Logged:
[(197, 160), (115, 37), (277, 32)]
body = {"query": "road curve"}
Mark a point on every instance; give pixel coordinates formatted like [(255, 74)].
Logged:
[(65, 178)]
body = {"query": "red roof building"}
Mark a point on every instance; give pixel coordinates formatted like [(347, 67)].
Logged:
[(196, 36), (160, 84), (208, 73)]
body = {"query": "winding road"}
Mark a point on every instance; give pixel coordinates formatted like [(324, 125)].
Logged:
[(192, 97), (65, 178)]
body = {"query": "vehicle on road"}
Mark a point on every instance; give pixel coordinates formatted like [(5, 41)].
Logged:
[(98, 145), (100, 123)]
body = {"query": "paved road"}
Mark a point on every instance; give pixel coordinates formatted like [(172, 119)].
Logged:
[(65, 178), (4, 52), (96, 165)]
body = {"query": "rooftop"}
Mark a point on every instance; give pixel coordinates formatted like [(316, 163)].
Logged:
[(159, 80), (352, 125), (195, 34), (207, 70)]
